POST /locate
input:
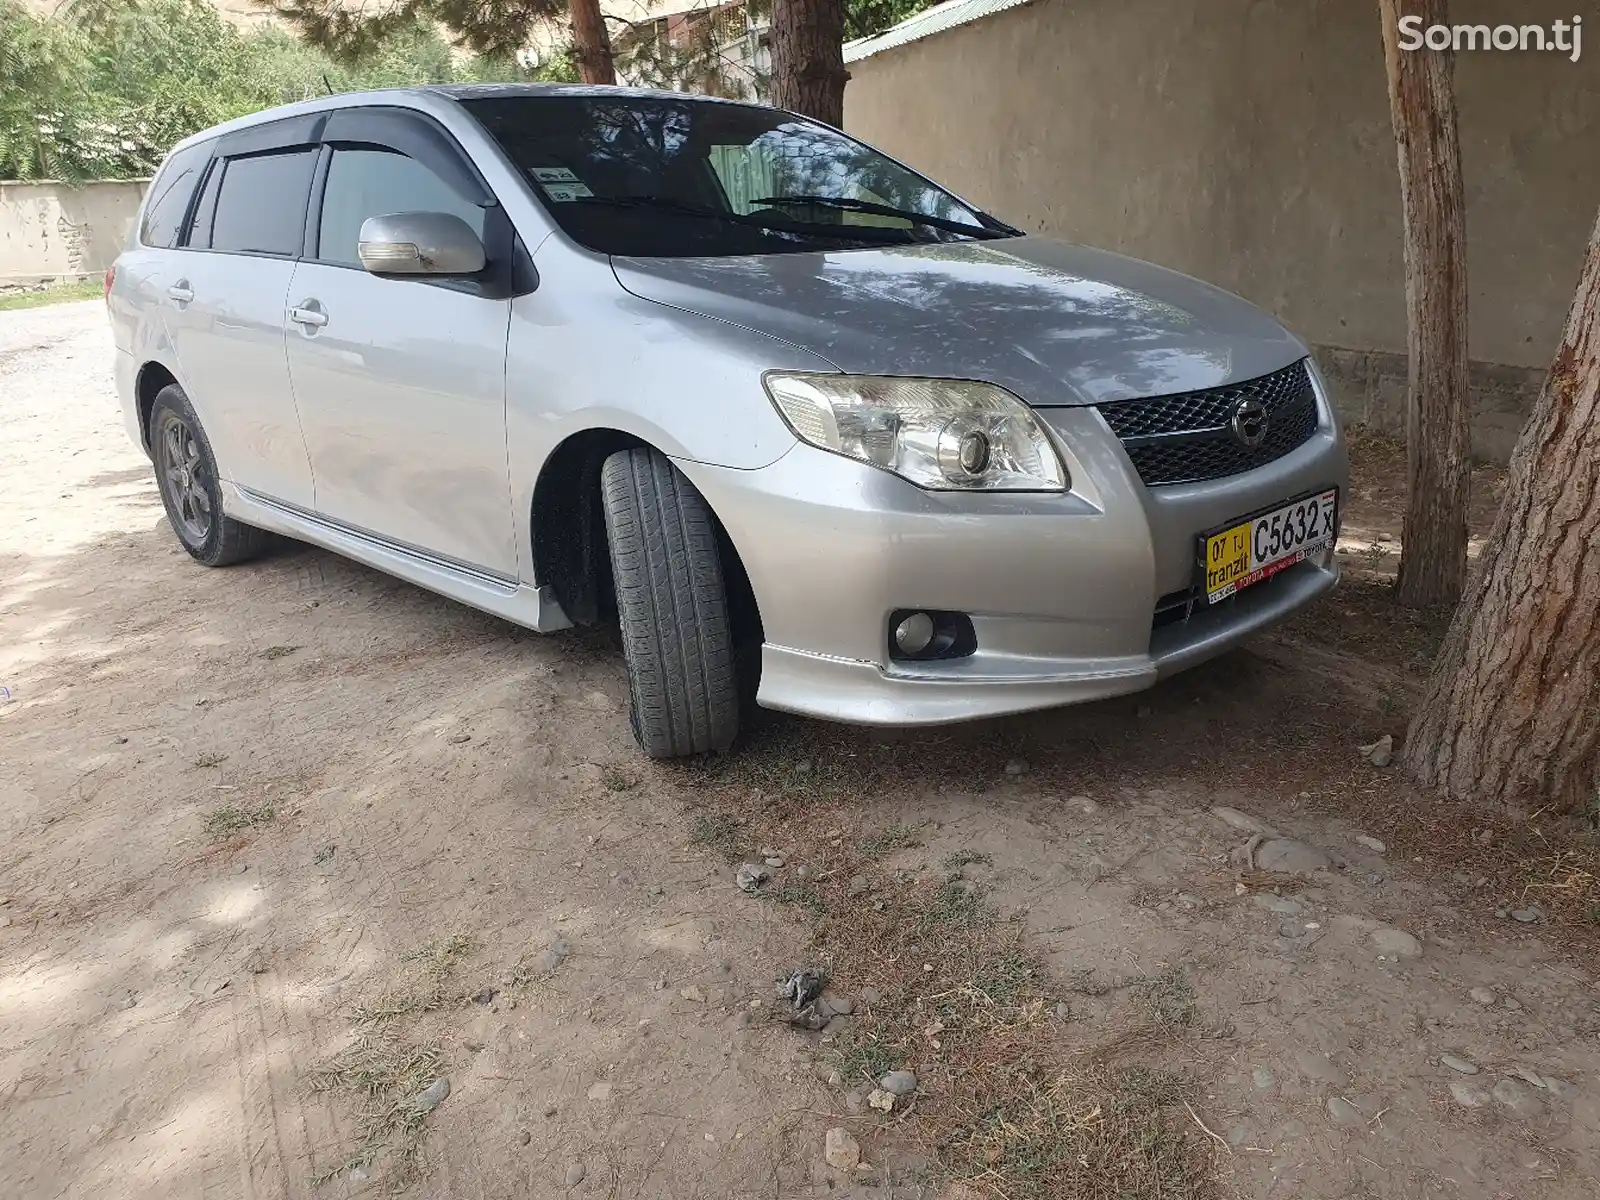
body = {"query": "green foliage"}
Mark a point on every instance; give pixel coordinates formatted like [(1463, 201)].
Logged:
[(104, 90), (353, 33), (863, 18)]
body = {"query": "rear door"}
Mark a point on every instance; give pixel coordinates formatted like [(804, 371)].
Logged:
[(400, 381), (225, 306)]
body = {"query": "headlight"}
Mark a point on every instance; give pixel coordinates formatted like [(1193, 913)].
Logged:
[(938, 433)]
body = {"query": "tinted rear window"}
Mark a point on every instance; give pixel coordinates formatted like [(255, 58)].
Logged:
[(170, 194), (261, 207)]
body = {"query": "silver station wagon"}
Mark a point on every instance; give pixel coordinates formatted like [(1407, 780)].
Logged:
[(813, 430)]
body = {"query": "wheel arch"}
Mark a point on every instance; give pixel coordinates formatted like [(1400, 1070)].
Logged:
[(568, 538), (152, 377)]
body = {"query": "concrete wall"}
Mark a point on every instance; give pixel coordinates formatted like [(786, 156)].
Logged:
[(49, 231), (1248, 142)]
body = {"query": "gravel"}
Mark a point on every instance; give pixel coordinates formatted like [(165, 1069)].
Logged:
[(430, 1097), (1518, 1098), (575, 1173), (1242, 821), (841, 1151), (1291, 857), (898, 1083), (1483, 995), (752, 876), (1017, 766), (1381, 752), (1397, 942), (1342, 1112), (1457, 1063), (1281, 905), (1467, 1096)]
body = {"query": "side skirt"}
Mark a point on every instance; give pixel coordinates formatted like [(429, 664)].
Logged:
[(534, 608)]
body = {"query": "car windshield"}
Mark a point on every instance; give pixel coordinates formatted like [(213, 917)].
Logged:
[(678, 177)]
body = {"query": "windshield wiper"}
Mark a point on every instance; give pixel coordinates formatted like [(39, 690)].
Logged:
[(846, 204), (766, 221)]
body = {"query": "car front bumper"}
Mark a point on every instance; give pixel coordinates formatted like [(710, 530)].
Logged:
[(1062, 590)]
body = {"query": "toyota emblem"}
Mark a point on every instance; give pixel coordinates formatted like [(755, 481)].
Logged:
[(1250, 422)]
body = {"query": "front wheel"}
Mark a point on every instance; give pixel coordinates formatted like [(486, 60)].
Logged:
[(673, 606)]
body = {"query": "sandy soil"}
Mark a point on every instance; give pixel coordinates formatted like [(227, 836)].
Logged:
[(417, 772)]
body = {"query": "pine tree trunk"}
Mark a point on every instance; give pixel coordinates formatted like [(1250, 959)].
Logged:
[(808, 74), (1512, 712), (1433, 556), (591, 42)]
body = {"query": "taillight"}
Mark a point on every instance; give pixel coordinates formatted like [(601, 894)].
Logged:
[(111, 278)]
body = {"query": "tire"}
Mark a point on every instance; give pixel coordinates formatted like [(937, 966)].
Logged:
[(189, 488), (673, 607)]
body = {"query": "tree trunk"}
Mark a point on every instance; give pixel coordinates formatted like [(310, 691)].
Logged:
[(808, 74), (591, 42), (1512, 712), (1433, 554)]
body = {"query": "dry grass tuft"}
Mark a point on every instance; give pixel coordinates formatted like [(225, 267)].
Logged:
[(1008, 1102), (223, 823), (391, 1060)]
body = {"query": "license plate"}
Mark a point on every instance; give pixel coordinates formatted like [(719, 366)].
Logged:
[(1259, 547)]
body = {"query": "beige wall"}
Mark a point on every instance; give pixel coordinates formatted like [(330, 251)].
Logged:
[(1248, 142), (51, 231)]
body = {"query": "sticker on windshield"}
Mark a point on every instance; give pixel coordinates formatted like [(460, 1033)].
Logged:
[(560, 184)]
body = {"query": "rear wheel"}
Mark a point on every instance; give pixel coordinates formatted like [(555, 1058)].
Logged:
[(673, 606), (186, 472)]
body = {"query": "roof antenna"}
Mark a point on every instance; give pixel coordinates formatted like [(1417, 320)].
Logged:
[(326, 84)]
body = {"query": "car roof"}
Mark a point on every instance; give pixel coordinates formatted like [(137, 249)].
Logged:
[(449, 91)]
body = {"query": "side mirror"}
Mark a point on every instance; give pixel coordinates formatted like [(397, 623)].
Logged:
[(420, 243)]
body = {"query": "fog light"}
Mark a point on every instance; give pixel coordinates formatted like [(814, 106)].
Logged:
[(914, 634)]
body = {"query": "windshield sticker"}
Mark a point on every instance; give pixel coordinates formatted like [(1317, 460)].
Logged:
[(560, 184)]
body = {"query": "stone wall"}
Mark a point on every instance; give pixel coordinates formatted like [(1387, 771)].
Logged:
[(49, 231)]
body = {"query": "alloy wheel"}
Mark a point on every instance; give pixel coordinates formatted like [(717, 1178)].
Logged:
[(183, 478)]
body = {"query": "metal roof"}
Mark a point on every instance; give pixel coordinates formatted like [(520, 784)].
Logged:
[(926, 23)]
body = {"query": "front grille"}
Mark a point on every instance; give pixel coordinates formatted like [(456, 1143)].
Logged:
[(1189, 437)]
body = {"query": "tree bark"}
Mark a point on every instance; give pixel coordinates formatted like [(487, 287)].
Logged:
[(808, 74), (1512, 711), (591, 42), (1422, 106)]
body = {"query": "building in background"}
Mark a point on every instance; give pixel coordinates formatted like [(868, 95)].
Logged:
[(711, 49)]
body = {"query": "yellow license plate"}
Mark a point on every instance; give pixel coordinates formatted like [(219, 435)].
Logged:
[(1260, 547)]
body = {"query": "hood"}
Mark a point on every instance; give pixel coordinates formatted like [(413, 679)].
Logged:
[(1055, 323)]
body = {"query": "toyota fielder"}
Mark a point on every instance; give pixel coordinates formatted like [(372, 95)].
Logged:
[(812, 428)]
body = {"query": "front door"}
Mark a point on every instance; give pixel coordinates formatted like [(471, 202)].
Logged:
[(400, 382)]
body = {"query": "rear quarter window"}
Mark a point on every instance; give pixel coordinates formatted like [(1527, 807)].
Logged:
[(170, 193)]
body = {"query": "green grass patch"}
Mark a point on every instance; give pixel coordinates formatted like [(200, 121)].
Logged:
[(61, 293)]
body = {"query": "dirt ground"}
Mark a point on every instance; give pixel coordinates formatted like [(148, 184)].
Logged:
[(287, 842)]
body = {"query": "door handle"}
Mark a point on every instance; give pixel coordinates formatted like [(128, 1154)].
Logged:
[(312, 317), (181, 292)]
